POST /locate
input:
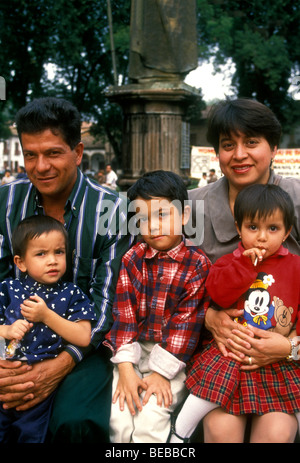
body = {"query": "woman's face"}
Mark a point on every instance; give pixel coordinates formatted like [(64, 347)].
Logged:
[(245, 160)]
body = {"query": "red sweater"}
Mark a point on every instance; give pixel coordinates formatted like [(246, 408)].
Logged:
[(273, 299)]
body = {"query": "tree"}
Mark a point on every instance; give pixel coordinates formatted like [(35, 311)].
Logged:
[(22, 56), (26, 29), (84, 62), (74, 37), (263, 39)]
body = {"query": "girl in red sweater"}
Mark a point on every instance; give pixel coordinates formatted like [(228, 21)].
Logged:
[(262, 277)]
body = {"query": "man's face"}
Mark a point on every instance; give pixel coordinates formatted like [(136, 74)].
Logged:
[(50, 163)]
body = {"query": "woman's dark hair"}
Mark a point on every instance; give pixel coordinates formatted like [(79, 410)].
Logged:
[(33, 227), (261, 201), (159, 184), (247, 116), (56, 114)]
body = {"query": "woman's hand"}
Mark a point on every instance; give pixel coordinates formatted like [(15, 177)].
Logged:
[(266, 347), (221, 324)]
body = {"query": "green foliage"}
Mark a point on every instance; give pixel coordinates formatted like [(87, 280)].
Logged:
[(4, 123), (194, 114), (26, 28), (263, 39), (73, 36)]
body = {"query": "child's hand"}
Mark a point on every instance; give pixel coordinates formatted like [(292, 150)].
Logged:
[(18, 329), (255, 254), (34, 309), (129, 386), (159, 386)]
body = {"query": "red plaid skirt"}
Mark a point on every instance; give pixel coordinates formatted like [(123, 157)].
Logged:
[(273, 388)]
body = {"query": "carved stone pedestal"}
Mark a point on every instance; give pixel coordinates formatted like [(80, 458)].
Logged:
[(155, 133)]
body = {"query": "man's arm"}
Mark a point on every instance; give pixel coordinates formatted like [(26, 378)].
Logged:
[(110, 246)]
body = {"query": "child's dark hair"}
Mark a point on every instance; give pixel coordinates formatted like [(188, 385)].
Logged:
[(244, 115), (261, 201), (52, 113), (33, 227), (159, 184)]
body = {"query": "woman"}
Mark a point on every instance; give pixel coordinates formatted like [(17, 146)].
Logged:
[(245, 135)]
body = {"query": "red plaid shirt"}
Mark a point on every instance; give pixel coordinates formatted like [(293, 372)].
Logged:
[(161, 297)]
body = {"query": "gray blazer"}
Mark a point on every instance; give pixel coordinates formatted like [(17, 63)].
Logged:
[(212, 225)]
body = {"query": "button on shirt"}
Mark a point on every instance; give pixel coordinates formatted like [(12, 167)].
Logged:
[(160, 297), (66, 299)]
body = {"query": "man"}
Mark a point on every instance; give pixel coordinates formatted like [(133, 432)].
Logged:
[(111, 178), (8, 177), (21, 172), (212, 176), (203, 180), (49, 132)]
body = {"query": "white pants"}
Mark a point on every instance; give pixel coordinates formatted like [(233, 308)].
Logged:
[(152, 424)]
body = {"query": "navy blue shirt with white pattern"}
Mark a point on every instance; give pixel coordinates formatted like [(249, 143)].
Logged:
[(65, 298)]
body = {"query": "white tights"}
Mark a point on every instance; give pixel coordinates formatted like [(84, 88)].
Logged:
[(192, 412)]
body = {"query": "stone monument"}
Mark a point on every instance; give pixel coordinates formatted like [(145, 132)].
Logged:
[(163, 50)]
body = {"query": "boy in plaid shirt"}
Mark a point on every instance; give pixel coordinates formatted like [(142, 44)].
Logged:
[(158, 312)]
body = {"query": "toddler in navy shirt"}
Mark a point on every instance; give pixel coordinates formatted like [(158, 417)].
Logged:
[(41, 313)]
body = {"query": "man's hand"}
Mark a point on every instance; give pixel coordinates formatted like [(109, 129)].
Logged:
[(23, 386), (15, 383)]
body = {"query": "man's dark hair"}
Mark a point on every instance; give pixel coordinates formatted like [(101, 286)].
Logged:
[(159, 184), (33, 227), (261, 201), (244, 115), (56, 114)]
